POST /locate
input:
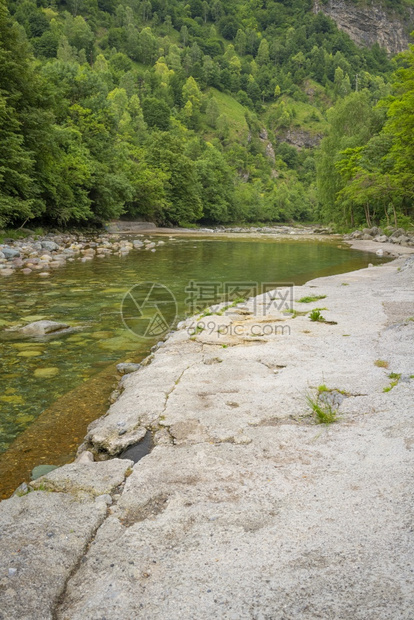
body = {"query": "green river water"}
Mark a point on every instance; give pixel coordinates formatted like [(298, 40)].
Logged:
[(36, 374)]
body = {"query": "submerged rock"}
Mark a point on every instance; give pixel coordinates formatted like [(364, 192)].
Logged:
[(41, 470), (127, 368), (46, 373), (41, 328)]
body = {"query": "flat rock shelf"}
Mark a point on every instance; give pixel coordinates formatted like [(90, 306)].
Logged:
[(246, 507)]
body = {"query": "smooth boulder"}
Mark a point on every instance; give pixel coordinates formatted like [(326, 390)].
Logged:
[(127, 367), (10, 253), (49, 245)]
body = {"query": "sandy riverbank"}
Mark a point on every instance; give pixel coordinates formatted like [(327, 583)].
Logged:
[(245, 508)]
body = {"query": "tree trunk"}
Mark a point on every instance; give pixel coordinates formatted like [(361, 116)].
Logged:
[(387, 216), (367, 215)]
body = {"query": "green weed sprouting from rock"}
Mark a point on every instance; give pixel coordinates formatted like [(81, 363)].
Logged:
[(323, 412), (294, 313), (308, 300), (395, 377), (316, 316)]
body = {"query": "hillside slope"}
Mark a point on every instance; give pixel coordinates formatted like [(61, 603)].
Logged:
[(177, 113)]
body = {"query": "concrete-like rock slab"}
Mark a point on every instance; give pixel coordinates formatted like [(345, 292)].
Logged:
[(43, 536), (95, 478), (246, 508)]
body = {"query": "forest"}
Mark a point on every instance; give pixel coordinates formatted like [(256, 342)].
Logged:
[(201, 111)]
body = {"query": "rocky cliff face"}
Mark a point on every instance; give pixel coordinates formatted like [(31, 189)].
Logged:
[(367, 25)]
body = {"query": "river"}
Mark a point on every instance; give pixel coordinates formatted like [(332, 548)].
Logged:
[(53, 388)]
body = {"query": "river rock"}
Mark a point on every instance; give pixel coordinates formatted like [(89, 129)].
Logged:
[(41, 328), (6, 272), (49, 245), (10, 253), (46, 373), (127, 368), (85, 457)]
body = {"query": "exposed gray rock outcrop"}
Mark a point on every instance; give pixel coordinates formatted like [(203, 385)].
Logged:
[(301, 138), (371, 23)]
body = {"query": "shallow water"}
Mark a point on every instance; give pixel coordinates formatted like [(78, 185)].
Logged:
[(69, 377)]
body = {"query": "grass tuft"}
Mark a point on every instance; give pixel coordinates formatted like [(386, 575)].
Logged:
[(316, 316), (308, 300), (395, 375), (323, 412)]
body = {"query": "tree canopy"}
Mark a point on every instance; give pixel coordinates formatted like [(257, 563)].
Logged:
[(199, 111)]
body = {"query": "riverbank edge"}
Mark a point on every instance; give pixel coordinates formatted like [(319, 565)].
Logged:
[(93, 490), (41, 255)]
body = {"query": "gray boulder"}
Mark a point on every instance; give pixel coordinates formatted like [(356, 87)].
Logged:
[(41, 328), (10, 253), (49, 245)]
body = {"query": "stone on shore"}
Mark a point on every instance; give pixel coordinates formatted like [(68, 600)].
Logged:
[(10, 253), (94, 478), (127, 368), (49, 245)]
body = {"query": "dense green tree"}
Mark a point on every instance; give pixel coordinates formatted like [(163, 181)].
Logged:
[(156, 113), (182, 189), (216, 180), (353, 122)]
